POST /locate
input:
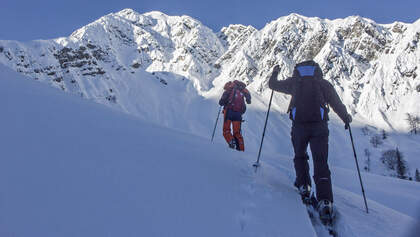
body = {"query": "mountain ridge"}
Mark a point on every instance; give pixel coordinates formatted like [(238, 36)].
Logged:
[(374, 67)]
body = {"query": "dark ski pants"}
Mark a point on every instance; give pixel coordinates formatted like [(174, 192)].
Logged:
[(316, 135)]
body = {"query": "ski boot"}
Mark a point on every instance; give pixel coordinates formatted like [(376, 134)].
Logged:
[(326, 212), (232, 144), (237, 144), (305, 193)]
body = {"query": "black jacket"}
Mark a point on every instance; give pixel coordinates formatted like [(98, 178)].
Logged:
[(331, 97)]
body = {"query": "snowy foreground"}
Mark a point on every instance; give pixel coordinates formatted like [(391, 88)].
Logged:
[(70, 167)]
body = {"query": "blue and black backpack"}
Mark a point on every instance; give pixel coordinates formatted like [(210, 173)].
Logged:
[(308, 104)]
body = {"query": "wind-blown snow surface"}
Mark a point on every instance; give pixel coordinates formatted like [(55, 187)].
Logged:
[(70, 167)]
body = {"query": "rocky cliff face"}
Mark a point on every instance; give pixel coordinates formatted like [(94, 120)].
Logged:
[(373, 67), (119, 59)]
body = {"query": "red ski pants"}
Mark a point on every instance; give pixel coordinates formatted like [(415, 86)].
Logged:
[(231, 119)]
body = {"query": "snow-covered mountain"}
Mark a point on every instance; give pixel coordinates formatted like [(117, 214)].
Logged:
[(70, 167), (170, 70), (374, 67)]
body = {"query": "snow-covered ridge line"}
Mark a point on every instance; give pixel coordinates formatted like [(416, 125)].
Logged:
[(375, 67)]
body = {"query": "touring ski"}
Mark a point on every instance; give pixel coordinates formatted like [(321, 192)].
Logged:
[(311, 206)]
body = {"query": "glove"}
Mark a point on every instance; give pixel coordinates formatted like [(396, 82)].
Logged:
[(276, 69), (347, 121)]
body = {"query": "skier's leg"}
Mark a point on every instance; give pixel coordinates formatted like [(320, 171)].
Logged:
[(237, 134), (300, 144), (227, 133), (322, 174)]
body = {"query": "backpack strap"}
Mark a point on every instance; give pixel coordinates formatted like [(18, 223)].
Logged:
[(295, 90), (231, 95), (323, 100)]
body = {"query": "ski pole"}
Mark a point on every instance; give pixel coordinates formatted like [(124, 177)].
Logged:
[(215, 125), (257, 163), (358, 170)]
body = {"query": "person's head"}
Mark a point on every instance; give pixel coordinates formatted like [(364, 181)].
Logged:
[(240, 85), (308, 68), (229, 85)]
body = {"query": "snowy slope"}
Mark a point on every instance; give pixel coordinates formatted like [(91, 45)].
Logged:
[(170, 70), (70, 167)]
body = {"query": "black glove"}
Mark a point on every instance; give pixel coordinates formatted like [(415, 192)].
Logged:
[(347, 121), (276, 69)]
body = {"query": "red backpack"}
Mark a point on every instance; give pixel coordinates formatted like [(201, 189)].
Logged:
[(236, 98)]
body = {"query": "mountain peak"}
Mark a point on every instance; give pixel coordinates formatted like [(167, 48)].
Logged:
[(296, 15), (156, 14), (126, 11)]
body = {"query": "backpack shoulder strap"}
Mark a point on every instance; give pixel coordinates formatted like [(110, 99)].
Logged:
[(231, 95), (295, 92), (323, 100)]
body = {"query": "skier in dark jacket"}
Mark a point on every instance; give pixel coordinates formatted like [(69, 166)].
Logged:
[(234, 106), (308, 110)]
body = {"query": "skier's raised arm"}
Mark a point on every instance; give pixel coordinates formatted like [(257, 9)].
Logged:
[(284, 86)]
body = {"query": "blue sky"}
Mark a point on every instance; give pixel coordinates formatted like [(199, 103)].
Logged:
[(31, 19)]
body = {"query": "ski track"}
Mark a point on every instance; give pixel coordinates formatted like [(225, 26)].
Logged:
[(265, 190), (318, 227), (352, 217)]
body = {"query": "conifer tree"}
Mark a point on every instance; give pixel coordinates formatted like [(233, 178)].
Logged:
[(401, 166), (367, 154), (413, 122), (417, 175), (384, 134), (375, 140)]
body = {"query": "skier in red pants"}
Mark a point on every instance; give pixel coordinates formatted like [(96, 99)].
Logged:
[(234, 106)]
